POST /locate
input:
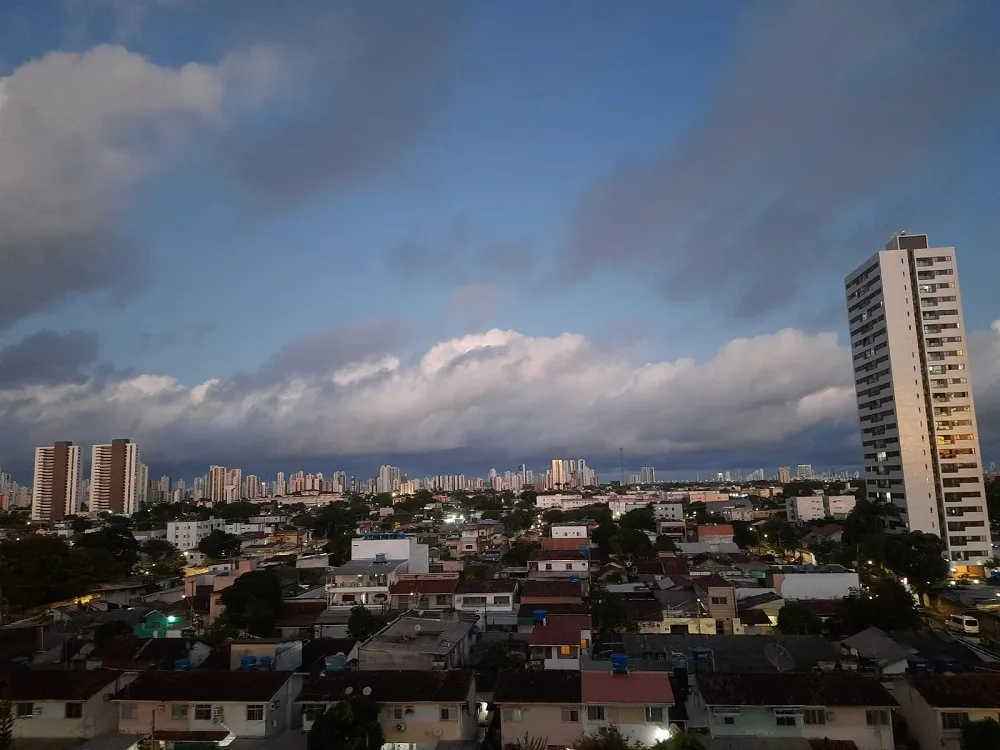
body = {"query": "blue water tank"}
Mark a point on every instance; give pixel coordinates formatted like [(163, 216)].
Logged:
[(182, 664), (265, 662), (944, 664), (575, 579), (619, 663), (540, 615), (332, 664), (916, 664), (701, 654), (585, 551), (247, 663)]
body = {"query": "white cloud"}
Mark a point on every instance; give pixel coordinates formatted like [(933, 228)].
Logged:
[(498, 390)]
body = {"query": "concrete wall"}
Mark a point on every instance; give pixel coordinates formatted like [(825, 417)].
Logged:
[(542, 721), (841, 724), (815, 585)]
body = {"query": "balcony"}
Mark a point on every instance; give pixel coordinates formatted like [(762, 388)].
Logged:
[(358, 582)]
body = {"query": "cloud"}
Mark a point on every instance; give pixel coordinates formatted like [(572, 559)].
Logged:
[(824, 110), (78, 133), (474, 302), (499, 392), (48, 358)]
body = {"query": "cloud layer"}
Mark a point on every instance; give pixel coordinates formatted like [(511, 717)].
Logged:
[(830, 124)]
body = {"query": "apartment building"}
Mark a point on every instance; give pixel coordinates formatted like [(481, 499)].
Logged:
[(118, 479), (56, 491), (918, 422), (185, 535)]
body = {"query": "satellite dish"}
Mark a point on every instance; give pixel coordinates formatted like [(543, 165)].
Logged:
[(779, 657), (366, 690), (416, 628), (348, 690)]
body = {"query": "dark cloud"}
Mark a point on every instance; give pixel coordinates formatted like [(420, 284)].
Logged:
[(48, 358), (824, 109)]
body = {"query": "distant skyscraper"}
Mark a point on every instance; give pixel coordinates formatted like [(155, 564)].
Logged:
[(804, 471), (57, 482), (784, 474), (918, 422), (647, 475), (115, 473)]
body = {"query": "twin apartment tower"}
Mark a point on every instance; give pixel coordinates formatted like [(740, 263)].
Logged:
[(911, 374), (118, 480)]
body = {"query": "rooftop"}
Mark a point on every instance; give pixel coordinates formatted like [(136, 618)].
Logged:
[(958, 691), (560, 630), (635, 687), (431, 632), (559, 554), (367, 567), (551, 588), (192, 687), (819, 689), (392, 686), (538, 686), (424, 586), (29, 685), (713, 580), (490, 586), (745, 654)]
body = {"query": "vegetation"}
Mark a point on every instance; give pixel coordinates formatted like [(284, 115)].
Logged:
[(611, 617), (519, 554), (631, 544), (885, 604), (607, 738), (528, 743), (362, 623), (665, 544), (254, 602), (638, 518), (494, 658), (219, 545), (6, 725), (794, 619), (680, 741), (981, 735), (351, 724)]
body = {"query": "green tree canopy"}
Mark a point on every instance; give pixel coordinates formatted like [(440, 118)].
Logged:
[(362, 623), (884, 604), (517, 520), (254, 602), (744, 535), (607, 738), (38, 570), (158, 550), (219, 545), (115, 540), (632, 544), (351, 724), (794, 619), (680, 741), (665, 544), (611, 616), (519, 554), (917, 557), (981, 735), (638, 518)]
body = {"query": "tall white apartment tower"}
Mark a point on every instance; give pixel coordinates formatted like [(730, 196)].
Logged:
[(56, 492), (117, 478), (911, 373)]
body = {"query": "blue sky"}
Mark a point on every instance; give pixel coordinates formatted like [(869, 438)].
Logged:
[(377, 179)]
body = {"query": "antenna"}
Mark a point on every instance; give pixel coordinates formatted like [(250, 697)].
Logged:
[(621, 459), (779, 657)]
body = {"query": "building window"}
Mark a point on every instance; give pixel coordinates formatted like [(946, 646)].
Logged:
[(179, 711), (448, 714), (953, 720), (442, 600), (255, 712), (511, 714), (128, 712), (719, 600), (397, 713), (24, 710), (566, 652), (548, 566), (505, 600), (74, 711), (570, 715), (877, 718), (595, 713), (730, 720), (814, 716), (654, 714), (203, 712)]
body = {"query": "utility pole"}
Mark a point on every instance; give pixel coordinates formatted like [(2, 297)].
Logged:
[(621, 459)]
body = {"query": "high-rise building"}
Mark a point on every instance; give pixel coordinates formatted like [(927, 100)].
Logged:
[(56, 492), (647, 475), (804, 471), (115, 473), (911, 372), (784, 474)]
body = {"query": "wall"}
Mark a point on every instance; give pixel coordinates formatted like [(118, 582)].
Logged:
[(426, 718), (844, 724), (286, 656), (395, 549), (702, 625), (815, 585), (669, 511), (99, 716), (631, 720), (542, 721), (570, 532), (924, 722)]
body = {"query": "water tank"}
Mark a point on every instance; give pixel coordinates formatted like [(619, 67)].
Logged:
[(265, 662), (944, 664), (575, 579), (619, 663), (332, 664), (585, 551), (916, 664), (247, 663), (182, 664), (701, 654), (540, 615)]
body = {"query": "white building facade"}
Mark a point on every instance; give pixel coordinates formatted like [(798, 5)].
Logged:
[(919, 433)]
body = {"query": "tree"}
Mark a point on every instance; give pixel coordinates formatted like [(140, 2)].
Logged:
[(6, 725), (981, 735), (362, 623), (884, 604), (794, 619), (253, 603), (698, 512), (680, 741), (603, 534), (611, 616), (917, 557), (108, 631), (93, 565), (38, 570), (607, 738), (158, 550), (632, 544), (639, 518), (115, 540), (665, 544), (744, 535), (219, 545), (517, 520), (493, 659), (529, 743), (351, 724), (519, 554)]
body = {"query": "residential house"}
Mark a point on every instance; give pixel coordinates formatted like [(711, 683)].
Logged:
[(717, 598), (645, 611), (715, 534), (62, 705), (554, 563), (541, 593), (830, 532), (269, 653), (427, 640), (804, 509), (843, 706), (418, 708), (559, 641), (156, 624), (682, 612), (377, 561), (207, 706), (937, 706), (493, 600), (558, 707), (811, 581), (424, 591), (572, 530), (732, 653)]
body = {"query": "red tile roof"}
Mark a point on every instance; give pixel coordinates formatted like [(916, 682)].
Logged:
[(192, 687), (559, 554), (720, 529), (827, 529), (538, 686), (551, 588), (490, 586), (424, 586), (958, 691), (27, 685), (560, 630), (564, 543), (635, 687), (819, 689), (644, 610), (711, 581)]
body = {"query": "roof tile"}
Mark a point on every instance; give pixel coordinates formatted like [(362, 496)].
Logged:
[(539, 686)]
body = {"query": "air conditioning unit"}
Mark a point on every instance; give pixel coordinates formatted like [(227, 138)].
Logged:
[(400, 726), (437, 731), (216, 719), (37, 711), (275, 704), (830, 716)]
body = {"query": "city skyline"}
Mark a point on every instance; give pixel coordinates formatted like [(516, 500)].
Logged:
[(247, 251)]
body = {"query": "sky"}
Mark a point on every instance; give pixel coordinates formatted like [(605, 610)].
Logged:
[(468, 235)]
